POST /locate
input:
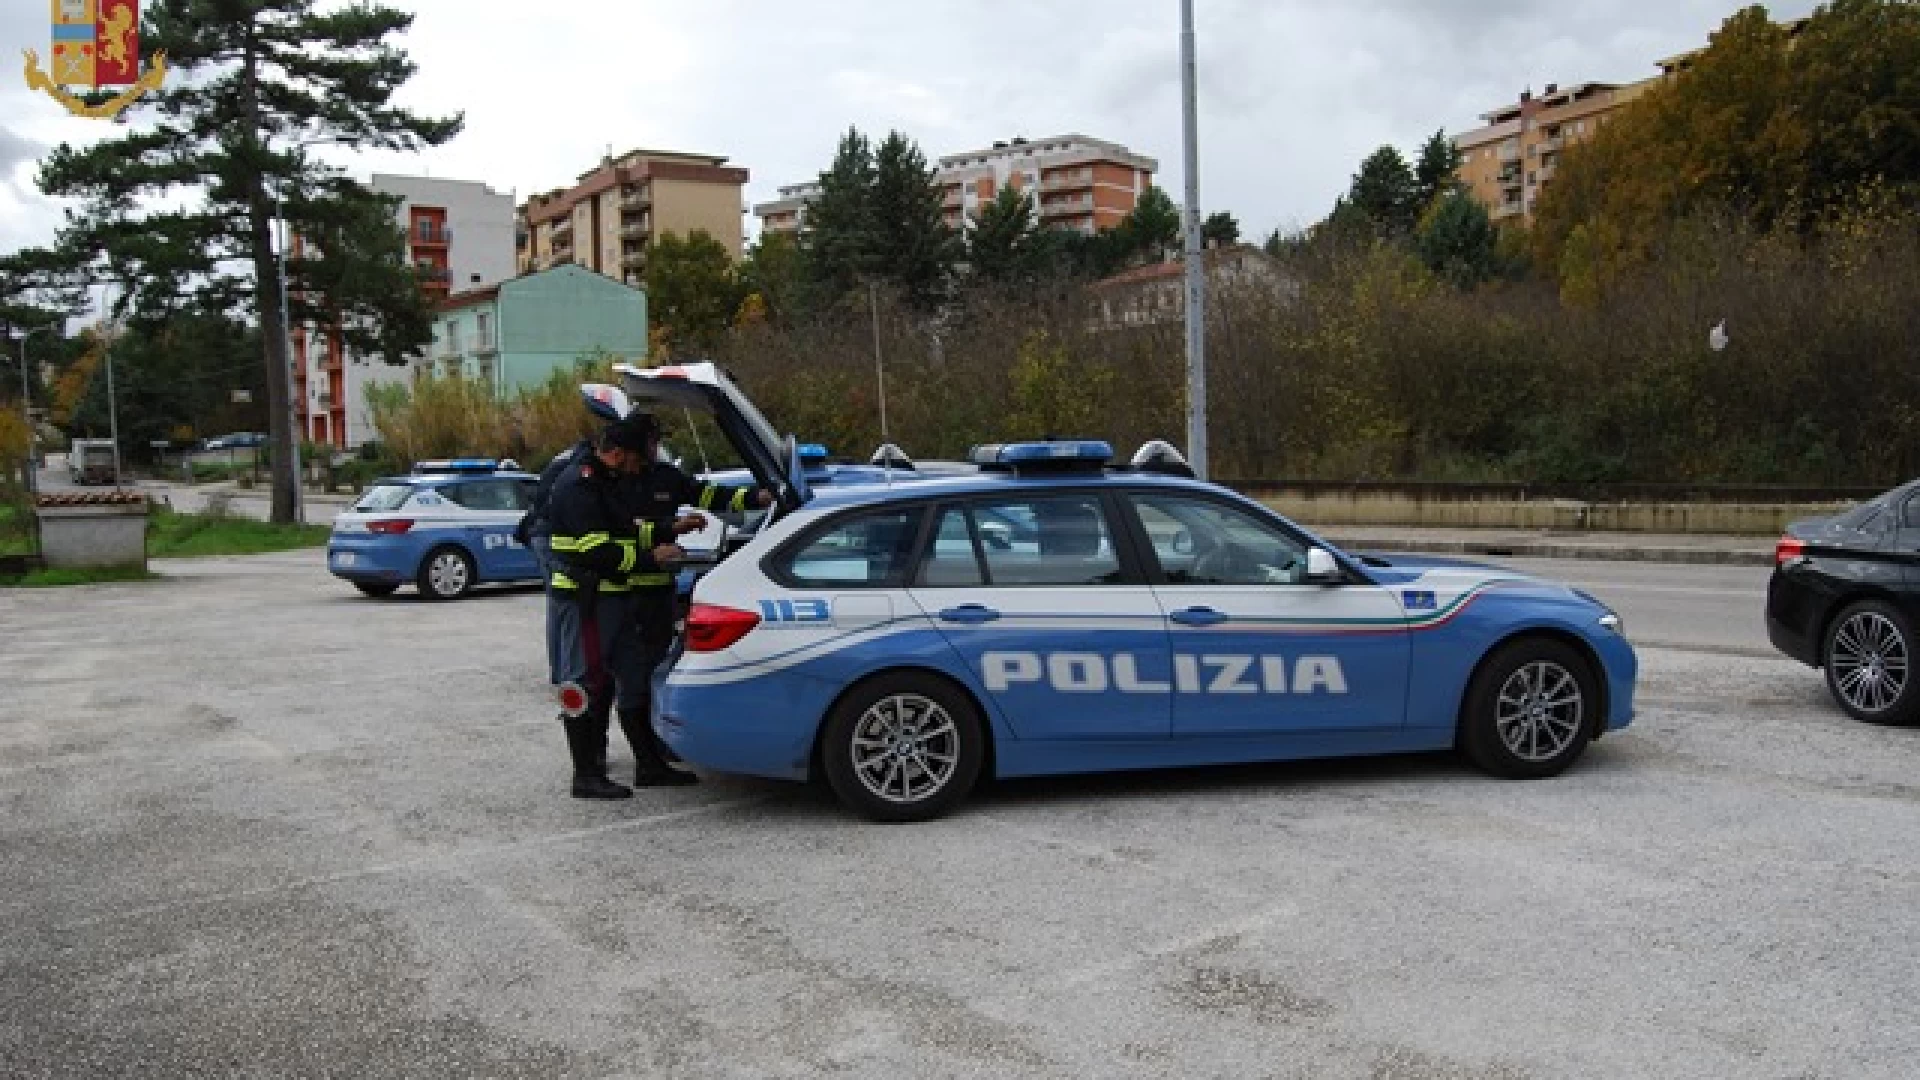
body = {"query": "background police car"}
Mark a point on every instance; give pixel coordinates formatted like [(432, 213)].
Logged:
[(444, 529), (902, 640)]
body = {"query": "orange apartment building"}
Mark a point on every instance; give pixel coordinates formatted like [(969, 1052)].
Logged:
[(1510, 160), (608, 218), (1079, 183)]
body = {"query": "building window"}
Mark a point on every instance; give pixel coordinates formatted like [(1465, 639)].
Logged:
[(483, 331)]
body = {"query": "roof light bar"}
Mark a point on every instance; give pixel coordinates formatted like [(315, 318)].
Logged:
[(813, 451), (1053, 452), (456, 465)]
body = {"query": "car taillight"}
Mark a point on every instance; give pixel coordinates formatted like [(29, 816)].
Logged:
[(390, 527), (711, 628), (1788, 549)]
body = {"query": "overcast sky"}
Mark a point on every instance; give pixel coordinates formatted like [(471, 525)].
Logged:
[(1293, 93)]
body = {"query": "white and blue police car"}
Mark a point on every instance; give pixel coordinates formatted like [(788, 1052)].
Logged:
[(1049, 614), (444, 529)]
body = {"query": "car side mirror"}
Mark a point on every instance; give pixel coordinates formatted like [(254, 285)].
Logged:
[(1323, 568)]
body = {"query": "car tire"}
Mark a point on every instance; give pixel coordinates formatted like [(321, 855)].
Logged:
[(899, 727), (445, 574), (1868, 660), (377, 588), (1530, 710)]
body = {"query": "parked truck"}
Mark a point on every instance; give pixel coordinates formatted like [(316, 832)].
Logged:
[(90, 461)]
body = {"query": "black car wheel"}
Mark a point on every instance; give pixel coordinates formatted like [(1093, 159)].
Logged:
[(1530, 709), (446, 574), (1869, 663), (377, 588), (903, 747)]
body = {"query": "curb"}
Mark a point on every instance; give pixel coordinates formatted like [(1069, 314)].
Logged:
[(1552, 550)]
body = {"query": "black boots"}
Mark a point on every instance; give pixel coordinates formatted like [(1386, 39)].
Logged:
[(649, 754), (587, 742)]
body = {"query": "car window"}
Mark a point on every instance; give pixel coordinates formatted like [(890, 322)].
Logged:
[(495, 495), (381, 498), (1057, 540), (1910, 512), (1201, 542), (950, 561), (866, 549)]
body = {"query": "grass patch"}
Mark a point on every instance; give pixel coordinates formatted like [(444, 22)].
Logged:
[(16, 530), (185, 536), (57, 578)]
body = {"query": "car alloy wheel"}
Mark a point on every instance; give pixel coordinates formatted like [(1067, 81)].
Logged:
[(1540, 711), (447, 574), (903, 746), (1869, 664), (1531, 709)]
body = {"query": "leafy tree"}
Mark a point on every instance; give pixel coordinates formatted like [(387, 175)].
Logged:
[(774, 273), (1458, 241), (1385, 193), (172, 375), (1786, 132), (1221, 229), (1151, 230), (692, 291), (183, 208), (1003, 245), (914, 250), (1435, 173)]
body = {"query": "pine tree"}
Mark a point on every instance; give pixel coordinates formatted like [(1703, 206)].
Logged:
[(1435, 174), (915, 249), (1001, 246), (251, 83), (839, 238)]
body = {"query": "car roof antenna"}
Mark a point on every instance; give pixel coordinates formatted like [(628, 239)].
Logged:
[(706, 467)]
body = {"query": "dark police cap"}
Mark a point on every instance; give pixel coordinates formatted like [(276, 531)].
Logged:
[(633, 432)]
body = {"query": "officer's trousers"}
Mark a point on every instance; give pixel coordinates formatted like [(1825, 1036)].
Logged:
[(595, 644)]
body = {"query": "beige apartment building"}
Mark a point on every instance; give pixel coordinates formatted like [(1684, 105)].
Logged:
[(608, 218), (1510, 160), (1079, 183)]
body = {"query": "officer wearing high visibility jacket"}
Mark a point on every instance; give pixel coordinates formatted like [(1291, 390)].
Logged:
[(598, 550), (659, 491)]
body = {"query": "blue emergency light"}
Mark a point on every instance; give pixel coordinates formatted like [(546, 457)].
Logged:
[(456, 465), (812, 452), (1060, 453)]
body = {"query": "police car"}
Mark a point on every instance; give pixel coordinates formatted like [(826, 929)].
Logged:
[(443, 529), (1049, 614)]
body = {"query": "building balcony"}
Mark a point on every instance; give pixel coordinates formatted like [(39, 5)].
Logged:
[(1068, 181), (429, 236), (1067, 207), (562, 232), (953, 199), (638, 229), (1509, 151), (639, 198), (634, 259), (1513, 208), (1548, 146)]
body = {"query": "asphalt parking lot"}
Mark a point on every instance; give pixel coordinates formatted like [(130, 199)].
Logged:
[(257, 825)]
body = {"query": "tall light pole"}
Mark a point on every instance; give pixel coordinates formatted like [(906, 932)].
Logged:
[(26, 411), (1196, 257), (293, 407)]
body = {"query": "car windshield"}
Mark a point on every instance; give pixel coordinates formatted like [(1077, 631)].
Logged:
[(383, 497)]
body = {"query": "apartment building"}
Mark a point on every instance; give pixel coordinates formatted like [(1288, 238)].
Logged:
[(1508, 161), (1079, 183), (459, 235), (1513, 157), (613, 212), (513, 336)]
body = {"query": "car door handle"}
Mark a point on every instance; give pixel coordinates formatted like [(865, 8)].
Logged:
[(1198, 616), (969, 613)]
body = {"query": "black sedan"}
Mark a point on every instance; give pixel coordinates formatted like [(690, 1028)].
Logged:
[(1845, 597)]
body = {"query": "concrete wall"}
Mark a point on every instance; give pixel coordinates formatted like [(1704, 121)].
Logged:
[(1333, 509), (94, 535)]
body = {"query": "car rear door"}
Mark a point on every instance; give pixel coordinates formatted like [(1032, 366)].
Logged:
[(1257, 649), (704, 388), (489, 509), (1044, 605)]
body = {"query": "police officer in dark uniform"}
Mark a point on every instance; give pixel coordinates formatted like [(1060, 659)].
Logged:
[(658, 493), (597, 548), (535, 531)]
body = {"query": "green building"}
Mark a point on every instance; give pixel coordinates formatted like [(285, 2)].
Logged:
[(517, 333)]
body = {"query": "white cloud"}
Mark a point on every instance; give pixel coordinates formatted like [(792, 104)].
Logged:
[(1293, 92)]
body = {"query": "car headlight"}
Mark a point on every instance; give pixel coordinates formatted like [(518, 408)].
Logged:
[(1614, 624)]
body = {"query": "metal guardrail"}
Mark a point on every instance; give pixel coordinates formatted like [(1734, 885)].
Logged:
[(1436, 491)]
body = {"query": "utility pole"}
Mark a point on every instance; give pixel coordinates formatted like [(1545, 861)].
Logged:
[(1196, 256), (26, 408)]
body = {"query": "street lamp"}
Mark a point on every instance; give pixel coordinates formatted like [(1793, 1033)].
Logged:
[(26, 411)]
